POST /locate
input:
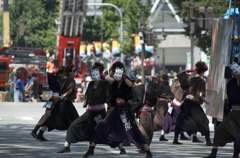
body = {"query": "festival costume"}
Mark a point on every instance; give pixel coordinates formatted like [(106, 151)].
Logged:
[(83, 128), (171, 118), (192, 117), (228, 130), (119, 126), (54, 87), (64, 112), (164, 94), (144, 96)]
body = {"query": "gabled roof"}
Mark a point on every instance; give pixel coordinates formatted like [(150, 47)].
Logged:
[(164, 15)]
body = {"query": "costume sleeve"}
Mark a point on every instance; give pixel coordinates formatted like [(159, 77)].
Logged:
[(107, 93)]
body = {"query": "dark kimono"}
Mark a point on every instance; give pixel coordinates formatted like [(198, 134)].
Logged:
[(54, 87), (192, 117), (119, 126), (64, 112), (171, 118), (145, 112), (165, 95), (228, 131), (83, 128)]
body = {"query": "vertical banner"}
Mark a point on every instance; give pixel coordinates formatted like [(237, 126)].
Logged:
[(115, 47), (106, 51), (137, 44), (149, 49), (90, 49), (83, 49), (98, 47)]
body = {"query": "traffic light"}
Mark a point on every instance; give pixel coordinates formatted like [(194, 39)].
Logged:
[(209, 15), (205, 18)]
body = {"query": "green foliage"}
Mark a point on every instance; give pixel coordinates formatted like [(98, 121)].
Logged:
[(92, 29), (40, 28), (202, 37), (110, 24)]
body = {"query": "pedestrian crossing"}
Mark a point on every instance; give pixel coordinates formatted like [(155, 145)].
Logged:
[(19, 118), (25, 118)]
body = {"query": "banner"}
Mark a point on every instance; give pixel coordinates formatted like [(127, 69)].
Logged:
[(90, 49), (149, 49), (83, 49), (137, 44), (115, 47), (98, 47), (106, 51)]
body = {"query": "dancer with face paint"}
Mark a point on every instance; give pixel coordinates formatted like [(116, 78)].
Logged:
[(97, 94), (119, 126)]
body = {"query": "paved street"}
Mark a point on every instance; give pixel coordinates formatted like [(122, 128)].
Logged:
[(17, 121)]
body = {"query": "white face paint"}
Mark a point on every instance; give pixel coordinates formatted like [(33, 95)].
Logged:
[(118, 74), (95, 74)]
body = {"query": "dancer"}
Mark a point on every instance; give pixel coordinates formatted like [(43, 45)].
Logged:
[(165, 97), (119, 126), (97, 94), (228, 131), (192, 117), (63, 112), (174, 110), (53, 79), (143, 101)]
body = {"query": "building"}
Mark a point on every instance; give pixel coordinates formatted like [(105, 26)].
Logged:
[(173, 48)]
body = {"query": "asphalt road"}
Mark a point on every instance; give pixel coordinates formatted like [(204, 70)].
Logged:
[(18, 119)]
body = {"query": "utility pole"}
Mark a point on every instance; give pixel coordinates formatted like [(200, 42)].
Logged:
[(121, 20), (192, 30), (6, 25), (142, 28)]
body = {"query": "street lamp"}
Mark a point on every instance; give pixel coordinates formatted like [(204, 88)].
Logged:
[(120, 12), (142, 28)]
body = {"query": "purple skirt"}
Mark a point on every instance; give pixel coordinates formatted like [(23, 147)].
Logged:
[(119, 127), (170, 120)]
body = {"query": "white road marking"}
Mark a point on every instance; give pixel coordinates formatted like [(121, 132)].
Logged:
[(25, 118), (21, 146)]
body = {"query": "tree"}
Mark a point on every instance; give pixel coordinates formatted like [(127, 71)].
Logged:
[(202, 37), (92, 29), (110, 24), (40, 30)]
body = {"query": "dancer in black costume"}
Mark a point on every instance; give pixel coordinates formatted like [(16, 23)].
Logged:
[(64, 112), (53, 79), (97, 94), (119, 126), (228, 131), (192, 117)]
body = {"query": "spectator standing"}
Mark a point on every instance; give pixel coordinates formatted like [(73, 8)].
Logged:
[(19, 89), (34, 87), (11, 82), (50, 65), (28, 86)]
